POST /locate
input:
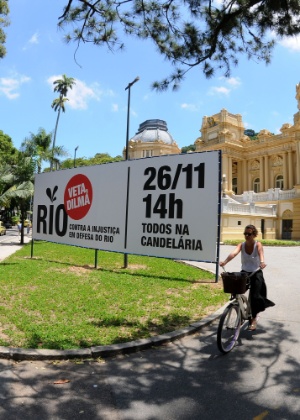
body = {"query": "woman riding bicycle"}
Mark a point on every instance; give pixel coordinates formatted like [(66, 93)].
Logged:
[(252, 257)]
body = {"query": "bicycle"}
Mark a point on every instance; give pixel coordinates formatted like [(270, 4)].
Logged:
[(237, 312)]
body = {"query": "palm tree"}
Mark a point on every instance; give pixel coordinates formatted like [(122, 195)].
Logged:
[(19, 185), (38, 146), (61, 86), (5, 171)]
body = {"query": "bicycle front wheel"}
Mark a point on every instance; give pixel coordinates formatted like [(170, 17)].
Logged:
[(229, 328)]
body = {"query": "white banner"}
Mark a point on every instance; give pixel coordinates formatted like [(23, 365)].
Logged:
[(164, 206)]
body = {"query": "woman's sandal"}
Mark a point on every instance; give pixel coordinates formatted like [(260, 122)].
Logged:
[(253, 325)]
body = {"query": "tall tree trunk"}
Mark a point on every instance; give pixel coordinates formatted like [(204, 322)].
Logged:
[(54, 139), (22, 222)]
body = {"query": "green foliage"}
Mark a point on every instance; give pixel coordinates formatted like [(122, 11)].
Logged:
[(189, 148), (211, 34), (63, 85), (59, 104), (15, 220), (17, 185), (58, 300), (266, 242), (250, 133), (8, 153), (38, 146), (4, 12), (98, 159)]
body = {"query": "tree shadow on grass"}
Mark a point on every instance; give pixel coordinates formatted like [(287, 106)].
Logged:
[(8, 263), (164, 324), (122, 272), (127, 271), (137, 331)]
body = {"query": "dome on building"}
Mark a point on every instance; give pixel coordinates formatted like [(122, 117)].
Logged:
[(153, 130)]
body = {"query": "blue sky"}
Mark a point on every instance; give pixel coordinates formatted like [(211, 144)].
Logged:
[(96, 114)]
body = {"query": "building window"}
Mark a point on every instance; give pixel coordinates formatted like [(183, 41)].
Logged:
[(256, 185), (234, 185), (279, 182), (147, 153)]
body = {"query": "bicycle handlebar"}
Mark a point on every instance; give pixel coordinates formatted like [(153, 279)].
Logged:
[(251, 274)]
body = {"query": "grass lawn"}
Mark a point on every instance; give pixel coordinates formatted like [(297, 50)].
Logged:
[(58, 300)]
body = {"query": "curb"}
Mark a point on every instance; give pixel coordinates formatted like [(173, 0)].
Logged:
[(110, 350)]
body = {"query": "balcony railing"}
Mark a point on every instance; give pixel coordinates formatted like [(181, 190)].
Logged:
[(273, 194), (231, 207)]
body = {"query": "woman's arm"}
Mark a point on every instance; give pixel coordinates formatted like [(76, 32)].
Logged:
[(233, 254), (260, 251)]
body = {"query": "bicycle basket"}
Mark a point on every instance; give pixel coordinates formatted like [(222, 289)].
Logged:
[(234, 283)]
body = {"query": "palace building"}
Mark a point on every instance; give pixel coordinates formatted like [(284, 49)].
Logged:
[(152, 139), (261, 174)]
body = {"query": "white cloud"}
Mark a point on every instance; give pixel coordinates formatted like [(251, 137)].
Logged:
[(291, 43), (234, 81), (10, 86), (247, 125), (221, 90), (115, 107), (34, 39), (231, 82), (275, 113), (148, 96), (189, 107), (81, 93), (110, 92)]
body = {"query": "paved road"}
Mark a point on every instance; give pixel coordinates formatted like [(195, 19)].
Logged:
[(188, 379)]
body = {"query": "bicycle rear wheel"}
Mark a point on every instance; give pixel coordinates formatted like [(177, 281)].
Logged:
[(229, 328)]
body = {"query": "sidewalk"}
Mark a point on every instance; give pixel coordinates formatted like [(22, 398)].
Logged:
[(10, 244)]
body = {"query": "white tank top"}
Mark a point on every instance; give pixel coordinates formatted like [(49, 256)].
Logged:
[(250, 262)]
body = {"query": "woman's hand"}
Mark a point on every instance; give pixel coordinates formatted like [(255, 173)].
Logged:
[(222, 264), (262, 265)]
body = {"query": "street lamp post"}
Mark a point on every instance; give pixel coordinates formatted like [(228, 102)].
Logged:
[(127, 139), (224, 185), (128, 114), (76, 148)]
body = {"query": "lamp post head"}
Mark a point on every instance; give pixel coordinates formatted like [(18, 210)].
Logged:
[(132, 83), (76, 148)]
